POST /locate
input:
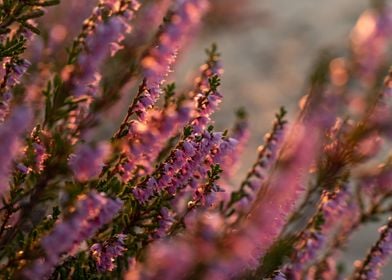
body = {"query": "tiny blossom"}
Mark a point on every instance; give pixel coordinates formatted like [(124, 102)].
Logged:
[(370, 268), (213, 67), (105, 254), (207, 103), (87, 161), (92, 211)]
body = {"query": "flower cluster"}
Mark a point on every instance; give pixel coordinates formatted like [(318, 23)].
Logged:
[(92, 211), (377, 257), (105, 254), (159, 195)]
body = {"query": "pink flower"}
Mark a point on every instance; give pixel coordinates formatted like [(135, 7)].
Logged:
[(10, 141), (92, 211), (157, 63), (370, 268), (87, 161), (105, 254)]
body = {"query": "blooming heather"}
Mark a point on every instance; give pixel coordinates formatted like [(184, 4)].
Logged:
[(370, 38), (10, 142), (241, 134), (271, 209), (212, 67), (105, 254), (207, 103), (257, 176), (101, 39), (379, 254), (332, 206), (40, 156), (92, 211), (150, 200), (11, 72), (206, 192), (87, 161), (156, 64), (103, 42), (146, 139), (326, 270), (173, 174)]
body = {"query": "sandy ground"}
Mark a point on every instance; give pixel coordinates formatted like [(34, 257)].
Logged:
[(266, 66)]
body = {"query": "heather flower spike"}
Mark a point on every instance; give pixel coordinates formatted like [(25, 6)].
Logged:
[(314, 238), (10, 143), (377, 257), (92, 211), (174, 34), (257, 176), (105, 254)]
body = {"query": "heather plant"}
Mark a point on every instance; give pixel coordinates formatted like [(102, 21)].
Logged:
[(156, 198)]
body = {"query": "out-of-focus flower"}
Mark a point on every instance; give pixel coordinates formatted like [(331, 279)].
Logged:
[(87, 161), (370, 268), (175, 33), (370, 38), (105, 254), (10, 142), (92, 211)]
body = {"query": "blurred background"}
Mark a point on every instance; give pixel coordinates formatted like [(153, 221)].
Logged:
[(268, 55), (268, 48)]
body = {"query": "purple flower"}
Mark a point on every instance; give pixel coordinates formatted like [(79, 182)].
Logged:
[(87, 161), (157, 63), (147, 139), (40, 156), (270, 211), (370, 267), (10, 142), (241, 134), (105, 254), (100, 44), (11, 72), (92, 211), (370, 39), (257, 176)]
